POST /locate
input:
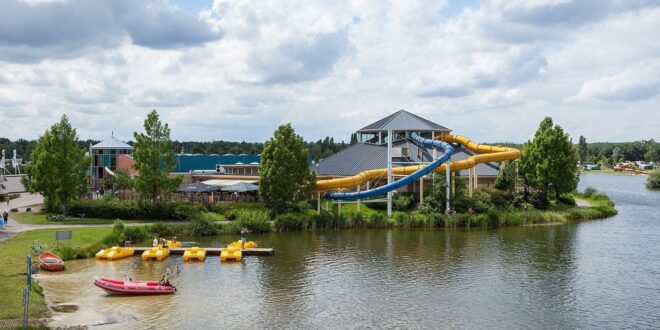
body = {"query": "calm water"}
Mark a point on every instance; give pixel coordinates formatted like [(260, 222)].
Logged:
[(600, 274)]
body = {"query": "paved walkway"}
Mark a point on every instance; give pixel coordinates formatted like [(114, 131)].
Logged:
[(14, 227)]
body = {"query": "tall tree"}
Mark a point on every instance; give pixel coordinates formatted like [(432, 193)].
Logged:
[(617, 155), (154, 159), (549, 161), (284, 169), (583, 150), (58, 168)]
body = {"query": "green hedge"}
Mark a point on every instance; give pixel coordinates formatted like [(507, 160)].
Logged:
[(130, 210)]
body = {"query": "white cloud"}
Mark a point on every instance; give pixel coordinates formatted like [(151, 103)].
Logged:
[(235, 71), (636, 83)]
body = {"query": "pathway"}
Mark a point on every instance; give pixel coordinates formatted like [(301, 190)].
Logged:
[(582, 203)]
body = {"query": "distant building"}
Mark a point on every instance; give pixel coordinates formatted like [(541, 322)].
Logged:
[(104, 158), (371, 151)]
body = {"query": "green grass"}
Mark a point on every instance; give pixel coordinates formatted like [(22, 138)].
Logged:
[(601, 207), (13, 254), (39, 218)]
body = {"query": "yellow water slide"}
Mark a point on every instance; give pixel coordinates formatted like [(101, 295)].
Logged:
[(485, 154)]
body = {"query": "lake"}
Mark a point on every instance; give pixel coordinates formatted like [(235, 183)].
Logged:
[(597, 274)]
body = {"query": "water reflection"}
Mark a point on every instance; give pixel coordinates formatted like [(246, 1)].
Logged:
[(590, 275)]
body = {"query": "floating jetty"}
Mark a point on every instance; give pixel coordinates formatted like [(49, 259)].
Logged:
[(214, 251)]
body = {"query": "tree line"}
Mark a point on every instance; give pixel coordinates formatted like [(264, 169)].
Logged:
[(317, 149)]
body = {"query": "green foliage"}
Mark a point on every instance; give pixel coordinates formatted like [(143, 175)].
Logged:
[(131, 210), (377, 220), (566, 199), (507, 177), (285, 176), (590, 191), (294, 221), (118, 226), (255, 221), (59, 166), (434, 202), (403, 202), (583, 150), (653, 181), (598, 212), (122, 181), (154, 160), (203, 226), (549, 161), (652, 155)]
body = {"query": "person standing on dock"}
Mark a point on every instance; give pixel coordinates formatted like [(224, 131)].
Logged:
[(244, 232)]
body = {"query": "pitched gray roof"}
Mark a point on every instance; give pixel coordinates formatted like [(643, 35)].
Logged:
[(365, 156), (112, 143), (403, 120)]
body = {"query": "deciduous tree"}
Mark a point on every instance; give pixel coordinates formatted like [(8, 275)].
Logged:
[(58, 168), (284, 170), (154, 159), (549, 161)]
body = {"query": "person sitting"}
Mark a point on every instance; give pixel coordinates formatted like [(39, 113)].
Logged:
[(165, 281), (155, 242)]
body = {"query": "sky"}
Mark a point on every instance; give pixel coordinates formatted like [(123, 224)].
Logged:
[(235, 70)]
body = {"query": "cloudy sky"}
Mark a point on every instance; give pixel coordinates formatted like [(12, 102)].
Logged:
[(234, 70)]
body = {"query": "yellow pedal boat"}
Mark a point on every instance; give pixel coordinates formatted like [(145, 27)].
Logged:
[(172, 244), (248, 245), (155, 253), (231, 253), (115, 253), (194, 253)]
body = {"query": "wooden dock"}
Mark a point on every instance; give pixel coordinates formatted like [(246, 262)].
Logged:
[(212, 251)]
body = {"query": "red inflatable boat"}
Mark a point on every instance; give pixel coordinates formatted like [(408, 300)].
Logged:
[(116, 286), (51, 262)]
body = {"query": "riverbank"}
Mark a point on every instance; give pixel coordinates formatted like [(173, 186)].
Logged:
[(13, 254)]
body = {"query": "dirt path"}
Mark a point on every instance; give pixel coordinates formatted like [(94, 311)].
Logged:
[(581, 203)]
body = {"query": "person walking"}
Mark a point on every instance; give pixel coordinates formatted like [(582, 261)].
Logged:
[(5, 217)]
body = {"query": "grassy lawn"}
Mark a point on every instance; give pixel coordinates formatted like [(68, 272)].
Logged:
[(39, 218), (13, 254)]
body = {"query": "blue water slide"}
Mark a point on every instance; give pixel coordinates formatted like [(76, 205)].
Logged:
[(429, 143)]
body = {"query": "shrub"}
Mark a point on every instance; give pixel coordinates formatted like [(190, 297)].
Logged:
[(70, 253), (135, 234), (653, 181), (590, 191), (114, 209), (567, 199), (256, 221), (118, 226), (293, 221), (203, 226), (323, 220), (114, 238), (161, 229), (377, 220), (231, 228), (402, 220), (403, 202)]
